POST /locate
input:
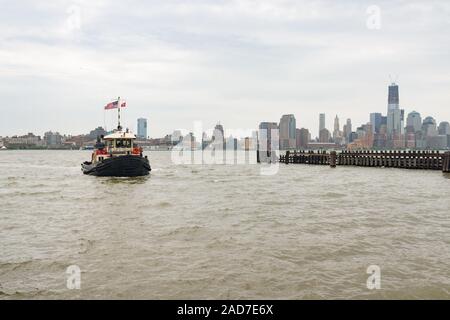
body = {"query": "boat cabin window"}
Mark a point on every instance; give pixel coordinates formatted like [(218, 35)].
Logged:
[(123, 143)]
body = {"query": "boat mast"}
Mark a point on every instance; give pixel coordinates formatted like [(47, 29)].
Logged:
[(118, 114)]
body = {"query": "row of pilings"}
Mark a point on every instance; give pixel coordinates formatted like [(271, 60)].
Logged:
[(427, 160)]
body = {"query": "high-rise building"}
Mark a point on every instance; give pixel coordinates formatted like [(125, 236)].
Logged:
[(53, 139), (348, 131), (336, 124), (287, 132), (218, 137), (303, 138), (395, 116), (267, 140), (321, 122), (413, 122), (218, 133), (324, 136), (337, 133), (393, 97), (429, 127), (444, 128), (97, 132), (376, 121), (142, 128), (176, 137)]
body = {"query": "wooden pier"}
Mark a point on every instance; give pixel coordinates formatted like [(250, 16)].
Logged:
[(426, 160)]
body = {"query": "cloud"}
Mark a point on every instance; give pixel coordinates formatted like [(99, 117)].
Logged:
[(239, 62)]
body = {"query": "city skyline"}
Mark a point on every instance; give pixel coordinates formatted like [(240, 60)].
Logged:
[(238, 62), (288, 124)]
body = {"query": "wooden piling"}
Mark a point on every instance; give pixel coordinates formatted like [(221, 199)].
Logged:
[(332, 159), (446, 162)]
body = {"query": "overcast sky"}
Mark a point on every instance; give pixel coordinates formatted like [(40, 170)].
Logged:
[(238, 62)]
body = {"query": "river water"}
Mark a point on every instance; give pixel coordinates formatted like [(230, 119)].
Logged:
[(220, 231)]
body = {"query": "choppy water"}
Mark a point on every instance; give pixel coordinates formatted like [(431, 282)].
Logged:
[(222, 232)]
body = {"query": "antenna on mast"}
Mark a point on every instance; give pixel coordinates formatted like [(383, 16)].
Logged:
[(119, 127), (393, 79)]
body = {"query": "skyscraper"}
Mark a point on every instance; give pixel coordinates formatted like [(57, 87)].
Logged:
[(393, 97), (287, 132), (267, 142), (303, 138), (218, 133), (414, 122), (429, 127), (348, 131), (444, 128), (321, 122), (218, 137), (337, 134), (394, 115), (376, 121), (142, 128), (324, 136), (336, 123)]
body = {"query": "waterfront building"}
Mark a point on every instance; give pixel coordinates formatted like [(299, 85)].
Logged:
[(429, 127), (348, 131), (287, 132), (177, 137), (322, 124), (97, 132), (395, 117), (421, 142), (303, 138), (353, 137), (337, 133), (79, 141), (206, 141), (142, 128), (360, 132), (380, 139), (248, 143), (53, 139), (376, 121), (410, 142), (393, 97), (218, 140), (189, 142), (365, 138), (324, 136), (267, 135), (218, 133), (231, 143), (22, 142), (413, 122), (437, 142), (444, 128), (321, 145)]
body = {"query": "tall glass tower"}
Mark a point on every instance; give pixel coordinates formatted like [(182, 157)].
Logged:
[(142, 128), (393, 97), (321, 122), (288, 132), (395, 117)]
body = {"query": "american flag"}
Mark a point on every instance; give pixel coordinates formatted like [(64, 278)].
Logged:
[(115, 105)]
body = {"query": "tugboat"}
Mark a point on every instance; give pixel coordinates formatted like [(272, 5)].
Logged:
[(116, 154)]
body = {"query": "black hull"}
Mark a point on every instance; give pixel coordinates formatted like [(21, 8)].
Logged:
[(121, 166)]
